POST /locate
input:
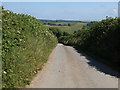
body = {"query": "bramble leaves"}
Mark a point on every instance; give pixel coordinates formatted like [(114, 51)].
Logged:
[(26, 45)]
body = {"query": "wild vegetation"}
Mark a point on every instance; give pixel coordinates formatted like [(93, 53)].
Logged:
[(101, 40), (58, 33), (26, 45)]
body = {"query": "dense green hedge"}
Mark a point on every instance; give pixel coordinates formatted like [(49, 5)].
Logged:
[(101, 39), (26, 45), (58, 33)]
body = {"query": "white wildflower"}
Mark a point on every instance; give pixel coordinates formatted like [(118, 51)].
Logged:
[(20, 39), (8, 11), (18, 31), (4, 72)]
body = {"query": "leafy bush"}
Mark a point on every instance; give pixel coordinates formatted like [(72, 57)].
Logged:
[(26, 45), (103, 38), (58, 33)]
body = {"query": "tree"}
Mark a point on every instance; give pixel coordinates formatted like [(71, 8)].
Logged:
[(69, 24)]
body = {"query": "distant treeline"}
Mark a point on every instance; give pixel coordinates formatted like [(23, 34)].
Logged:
[(59, 24), (43, 20)]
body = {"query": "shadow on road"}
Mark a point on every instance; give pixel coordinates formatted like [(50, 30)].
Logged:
[(99, 66)]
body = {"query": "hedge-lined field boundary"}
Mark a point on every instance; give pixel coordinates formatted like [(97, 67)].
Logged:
[(26, 45)]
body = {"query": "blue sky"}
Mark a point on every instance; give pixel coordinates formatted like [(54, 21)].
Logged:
[(84, 11)]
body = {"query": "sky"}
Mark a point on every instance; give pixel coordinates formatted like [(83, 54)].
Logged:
[(83, 11)]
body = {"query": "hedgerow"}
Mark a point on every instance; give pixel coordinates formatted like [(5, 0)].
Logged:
[(101, 40), (26, 45)]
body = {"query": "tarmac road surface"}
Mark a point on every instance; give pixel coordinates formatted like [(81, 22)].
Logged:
[(66, 68)]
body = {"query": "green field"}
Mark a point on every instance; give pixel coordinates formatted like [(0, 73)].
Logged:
[(70, 29)]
